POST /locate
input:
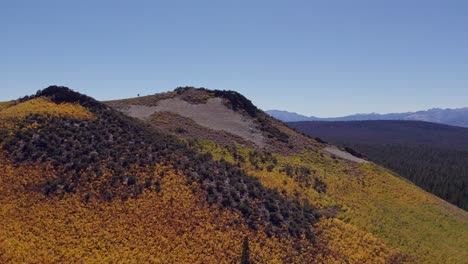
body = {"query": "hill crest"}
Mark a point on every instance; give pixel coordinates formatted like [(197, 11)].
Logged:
[(223, 116)]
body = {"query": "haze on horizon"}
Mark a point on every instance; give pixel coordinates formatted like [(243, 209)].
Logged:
[(315, 58)]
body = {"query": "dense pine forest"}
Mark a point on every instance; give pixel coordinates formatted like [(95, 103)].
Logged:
[(433, 156)]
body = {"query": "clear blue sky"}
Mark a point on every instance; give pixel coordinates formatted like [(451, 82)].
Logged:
[(322, 58)]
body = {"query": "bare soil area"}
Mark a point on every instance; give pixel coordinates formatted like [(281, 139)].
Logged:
[(214, 115), (344, 155)]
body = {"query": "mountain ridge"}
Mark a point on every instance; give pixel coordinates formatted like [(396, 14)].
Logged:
[(448, 116)]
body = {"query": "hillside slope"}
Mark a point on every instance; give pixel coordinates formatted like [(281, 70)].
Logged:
[(364, 195), (433, 156), (80, 181)]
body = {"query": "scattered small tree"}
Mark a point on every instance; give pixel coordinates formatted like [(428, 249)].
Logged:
[(245, 258)]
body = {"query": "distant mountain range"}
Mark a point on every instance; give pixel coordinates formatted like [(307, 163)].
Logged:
[(454, 117)]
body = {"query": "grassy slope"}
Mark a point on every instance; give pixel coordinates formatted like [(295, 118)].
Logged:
[(404, 215), (373, 199)]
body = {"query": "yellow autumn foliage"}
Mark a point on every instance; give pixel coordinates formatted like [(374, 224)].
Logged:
[(43, 106), (373, 200), (174, 225), (381, 218)]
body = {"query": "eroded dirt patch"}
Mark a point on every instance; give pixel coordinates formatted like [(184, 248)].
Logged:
[(214, 115), (344, 155)]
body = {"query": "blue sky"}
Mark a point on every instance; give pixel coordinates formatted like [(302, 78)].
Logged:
[(323, 58)]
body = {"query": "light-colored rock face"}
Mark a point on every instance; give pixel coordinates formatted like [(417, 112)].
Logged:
[(214, 115), (344, 155)]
